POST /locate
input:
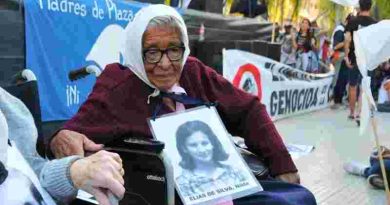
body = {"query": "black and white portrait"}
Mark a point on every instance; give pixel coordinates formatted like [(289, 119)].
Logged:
[(205, 162), (202, 160)]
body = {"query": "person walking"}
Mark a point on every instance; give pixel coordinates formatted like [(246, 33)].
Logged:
[(362, 20)]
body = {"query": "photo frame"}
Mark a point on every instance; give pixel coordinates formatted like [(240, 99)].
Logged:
[(207, 166)]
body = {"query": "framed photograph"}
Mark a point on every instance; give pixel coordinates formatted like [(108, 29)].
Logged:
[(207, 167)]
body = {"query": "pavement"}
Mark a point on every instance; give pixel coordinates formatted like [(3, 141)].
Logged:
[(336, 141)]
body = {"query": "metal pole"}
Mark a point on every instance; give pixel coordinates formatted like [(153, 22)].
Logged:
[(381, 162), (274, 21), (273, 32)]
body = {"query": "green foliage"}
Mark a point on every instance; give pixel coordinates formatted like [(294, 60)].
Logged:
[(297, 4), (384, 8), (280, 10), (333, 13), (329, 12), (327, 18)]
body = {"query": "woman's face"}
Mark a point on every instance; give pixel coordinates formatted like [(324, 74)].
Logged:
[(305, 25), (199, 147), (165, 73)]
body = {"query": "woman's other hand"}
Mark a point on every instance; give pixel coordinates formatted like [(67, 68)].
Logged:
[(99, 174), (68, 143), (292, 177)]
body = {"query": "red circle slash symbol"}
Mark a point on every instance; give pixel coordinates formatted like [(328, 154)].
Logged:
[(244, 78)]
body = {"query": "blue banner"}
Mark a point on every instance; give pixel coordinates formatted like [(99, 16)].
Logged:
[(64, 35)]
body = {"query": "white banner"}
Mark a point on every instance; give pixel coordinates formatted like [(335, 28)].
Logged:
[(285, 91), (370, 52)]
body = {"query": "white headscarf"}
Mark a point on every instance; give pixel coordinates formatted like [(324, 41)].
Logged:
[(133, 41)]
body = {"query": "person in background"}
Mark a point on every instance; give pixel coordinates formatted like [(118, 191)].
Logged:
[(384, 89), (325, 51), (305, 45), (317, 34), (288, 55), (373, 172), (159, 78), (363, 19), (340, 80), (277, 31), (62, 178)]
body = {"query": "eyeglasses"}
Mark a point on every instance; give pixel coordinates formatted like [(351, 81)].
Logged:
[(154, 55)]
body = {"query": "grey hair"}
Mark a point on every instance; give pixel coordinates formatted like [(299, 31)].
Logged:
[(165, 21)]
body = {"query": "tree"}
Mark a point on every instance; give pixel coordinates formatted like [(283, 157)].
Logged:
[(384, 8), (279, 10)]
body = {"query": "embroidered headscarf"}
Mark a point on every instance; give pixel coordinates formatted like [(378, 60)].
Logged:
[(133, 42)]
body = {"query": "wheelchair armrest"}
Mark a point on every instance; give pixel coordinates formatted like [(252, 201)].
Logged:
[(148, 177), (255, 164)]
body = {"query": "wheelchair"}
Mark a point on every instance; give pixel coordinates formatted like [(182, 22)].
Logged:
[(148, 174)]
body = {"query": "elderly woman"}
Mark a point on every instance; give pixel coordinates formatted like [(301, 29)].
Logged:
[(157, 65)]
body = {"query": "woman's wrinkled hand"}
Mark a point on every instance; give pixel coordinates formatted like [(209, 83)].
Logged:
[(292, 177), (67, 143), (99, 174)]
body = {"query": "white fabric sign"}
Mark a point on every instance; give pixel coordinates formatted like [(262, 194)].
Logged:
[(370, 52), (285, 91)]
